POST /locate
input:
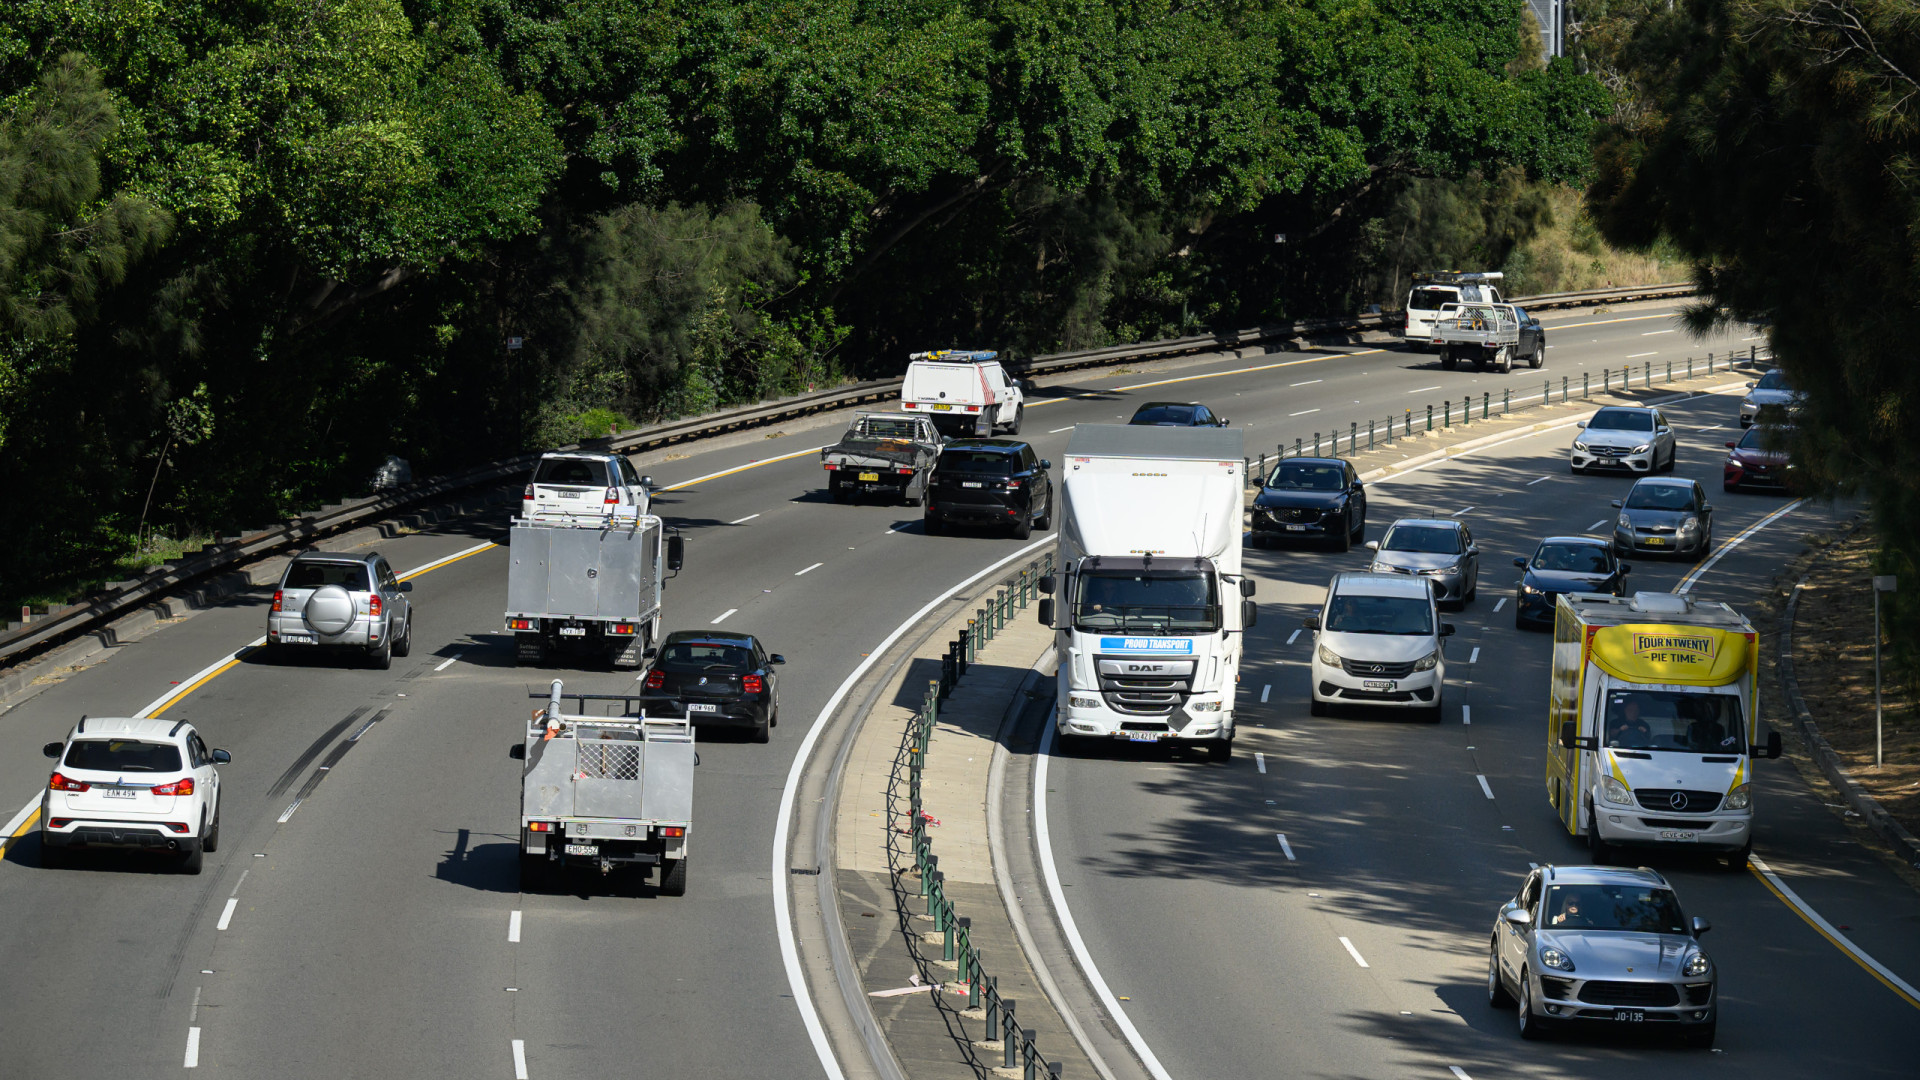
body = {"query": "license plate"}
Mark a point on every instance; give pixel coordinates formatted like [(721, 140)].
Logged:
[(296, 639), (1634, 1017), (573, 631), (1655, 541), (119, 793), (1296, 528), (1676, 834), (569, 494), (1379, 684), (869, 477), (971, 484), (583, 849), (943, 408), (1141, 736), (695, 706)]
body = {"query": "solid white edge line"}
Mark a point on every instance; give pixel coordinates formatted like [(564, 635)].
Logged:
[(519, 1059), (1058, 430), (448, 662), (1829, 929), (513, 928), (1304, 412), (1260, 761), (809, 569), (1309, 382), (1484, 786), (1466, 714), (1042, 836), (783, 820), (19, 819), (438, 563), (226, 913), (286, 814), (1459, 1073), (1286, 848), (1694, 575), (193, 1049), (724, 614), (1355, 953)]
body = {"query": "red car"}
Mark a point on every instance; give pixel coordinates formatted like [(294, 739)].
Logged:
[(1752, 461)]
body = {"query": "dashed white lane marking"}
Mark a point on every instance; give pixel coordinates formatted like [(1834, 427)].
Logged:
[(724, 614), (1694, 575), (513, 928), (1287, 850), (448, 662), (1423, 390), (1264, 691), (1459, 1073), (1501, 604), (288, 812), (1653, 333), (1596, 524), (1260, 762), (1711, 427), (1058, 430), (1460, 511), (1484, 786), (1638, 355), (744, 520), (226, 914), (1309, 382), (743, 468), (1303, 412), (1475, 657), (1466, 714), (193, 1048), (1353, 952), (1530, 483), (796, 573), (1292, 636), (519, 1059)]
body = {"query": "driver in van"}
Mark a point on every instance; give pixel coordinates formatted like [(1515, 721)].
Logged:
[(1626, 729)]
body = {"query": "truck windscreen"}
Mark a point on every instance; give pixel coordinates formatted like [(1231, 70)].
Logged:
[(1181, 601), (1695, 723)]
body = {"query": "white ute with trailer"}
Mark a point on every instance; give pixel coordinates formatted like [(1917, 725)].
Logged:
[(591, 589), (1150, 595), (967, 393), (605, 791)]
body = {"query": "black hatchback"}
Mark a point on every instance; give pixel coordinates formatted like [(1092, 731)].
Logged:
[(714, 678), (989, 482)]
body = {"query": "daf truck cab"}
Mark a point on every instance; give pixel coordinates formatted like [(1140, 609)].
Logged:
[(1150, 602), (1653, 724)]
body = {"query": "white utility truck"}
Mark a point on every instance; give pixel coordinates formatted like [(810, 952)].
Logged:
[(1150, 596), (1653, 723), (1434, 290), (605, 791), (589, 589), (965, 392)]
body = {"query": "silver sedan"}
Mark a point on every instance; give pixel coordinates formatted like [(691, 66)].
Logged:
[(1604, 945), (1439, 549)]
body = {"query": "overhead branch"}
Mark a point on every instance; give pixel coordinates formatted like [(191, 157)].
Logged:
[(969, 191)]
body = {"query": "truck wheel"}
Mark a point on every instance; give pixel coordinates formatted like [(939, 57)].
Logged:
[(1446, 358), (673, 877), (1506, 360), (1220, 749), (838, 490), (529, 650), (1736, 861), (1539, 354), (1019, 414), (1598, 850), (195, 856), (533, 872)]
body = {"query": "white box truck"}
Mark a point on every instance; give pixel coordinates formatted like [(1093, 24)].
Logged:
[(965, 392), (1653, 724), (1149, 604)]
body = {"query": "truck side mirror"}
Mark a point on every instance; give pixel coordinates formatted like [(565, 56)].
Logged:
[(1249, 614), (53, 749), (1567, 737), (1046, 612), (1046, 584), (676, 553), (1773, 744), (1246, 586)]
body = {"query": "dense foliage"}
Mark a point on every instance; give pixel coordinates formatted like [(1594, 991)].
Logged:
[(248, 248), (1777, 142)]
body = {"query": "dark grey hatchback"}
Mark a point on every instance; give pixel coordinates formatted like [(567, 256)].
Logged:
[(714, 678), (996, 482)]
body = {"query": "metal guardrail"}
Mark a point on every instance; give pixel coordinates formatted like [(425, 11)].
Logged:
[(111, 603), (1018, 1046)]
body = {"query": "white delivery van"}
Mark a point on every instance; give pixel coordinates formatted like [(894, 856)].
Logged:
[(966, 393), (1434, 290)]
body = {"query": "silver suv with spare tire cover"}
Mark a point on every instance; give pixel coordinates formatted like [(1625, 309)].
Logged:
[(342, 601)]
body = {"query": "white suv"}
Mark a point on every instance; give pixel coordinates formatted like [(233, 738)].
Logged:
[(586, 488), (1379, 642), (144, 785)]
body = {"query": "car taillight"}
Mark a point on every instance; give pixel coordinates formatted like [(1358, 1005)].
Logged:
[(373, 604), (906, 472), (528, 495), (613, 496), (753, 684), (61, 783), (656, 679), (178, 787), (539, 826), (277, 595), (177, 826), (831, 466), (1012, 484)]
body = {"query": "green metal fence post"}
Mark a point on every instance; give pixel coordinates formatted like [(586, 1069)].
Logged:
[(1606, 380), (1353, 437), (1586, 386), (1563, 389), (1506, 400), (1486, 400), (1646, 375), (1429, 418), (1369, 434)]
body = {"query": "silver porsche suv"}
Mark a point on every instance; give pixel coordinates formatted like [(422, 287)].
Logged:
[(1594, 945), (344, 602)]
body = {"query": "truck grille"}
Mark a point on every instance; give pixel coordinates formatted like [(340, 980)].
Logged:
[(1678, 800), (1145, 693), (1373, 669), (1654, 995)]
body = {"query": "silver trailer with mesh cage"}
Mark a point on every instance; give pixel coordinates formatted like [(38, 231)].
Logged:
[(605, 786)]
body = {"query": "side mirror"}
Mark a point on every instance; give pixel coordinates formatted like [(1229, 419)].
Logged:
[(776, 658), (647, 482), (1045, 464), (1751, 385), (1046, 612), (1446, 629), (1773, 744), (1707, 509), (1616, 504), (1372, 545), (53, 749), (406, 586), (1222, 422), (649, 653), (518, 751), (1521, 563), (1249, 614), (1700, 926), (1311, 622), (1246, 586), (1028, 386), (221, 757), (1567, 737), (1625, 569), (1046, 584), (1580, 423), (1730, 446), (1519, 917), (676, 553)]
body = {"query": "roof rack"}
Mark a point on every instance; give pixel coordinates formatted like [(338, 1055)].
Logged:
[(956, 356), (1455, 277)]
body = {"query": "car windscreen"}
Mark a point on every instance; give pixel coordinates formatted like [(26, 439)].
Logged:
[(1660, 497), (1694, 723), (1772, 380), (1431, 539), (706, 656), (1571, 558), (1647, 909), (314, 575), (1758, 437), (1621, 420), (574, 472), (123, 755), (1431, 299), (1349, 614), (1299, 476), (1181, 415), (1146, 600), (980, 462)]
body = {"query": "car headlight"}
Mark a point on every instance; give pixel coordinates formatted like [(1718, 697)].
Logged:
[(1697, 965), (1440, 570), (1740, 798), (1206, 706), (1625, 524), (1079, 702), (1615, 792), (1329, 657), (1530, 590), (1427, 662), (1554, 958), (1580, 446), (1643, 448), (1690, 525)]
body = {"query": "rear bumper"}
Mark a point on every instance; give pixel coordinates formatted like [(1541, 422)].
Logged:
[(730, 714), (974, 513), (119, 835), (285, 629)]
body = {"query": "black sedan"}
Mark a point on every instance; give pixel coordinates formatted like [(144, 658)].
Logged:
[(1311, 498), (714, 678), (993, 482), (1564, 564), (1176, 414)]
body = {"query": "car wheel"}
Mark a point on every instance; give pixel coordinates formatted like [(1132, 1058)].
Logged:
[(194, 859), (1729, 487), (1437, 711), (1316, 707), (212, 841), (1736, 861), (1599, 852), (1706, 545), (1023, 527), (1497, 996), (404, 646), (380, 659), (762, 730), (1446, 360), (1359, 526), (930, 524), (1701, 1036), (1519, 620), (1531, 1026), (673, 877), (1539, 354), (1574, 469), (1045, 521), (1506, 362), (774, 720), (1344, 542), (1473, 590)]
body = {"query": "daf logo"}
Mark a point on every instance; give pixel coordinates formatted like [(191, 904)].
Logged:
[(1147, 668), (1679, 800)]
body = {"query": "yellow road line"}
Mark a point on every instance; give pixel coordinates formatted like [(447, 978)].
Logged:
[(1604, 322), (197, 684), (1246, 370), (1834, 937), (448, 561), (25, 826), (742, 468)]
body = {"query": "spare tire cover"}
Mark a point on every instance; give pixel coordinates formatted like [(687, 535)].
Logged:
[(329, 610)]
